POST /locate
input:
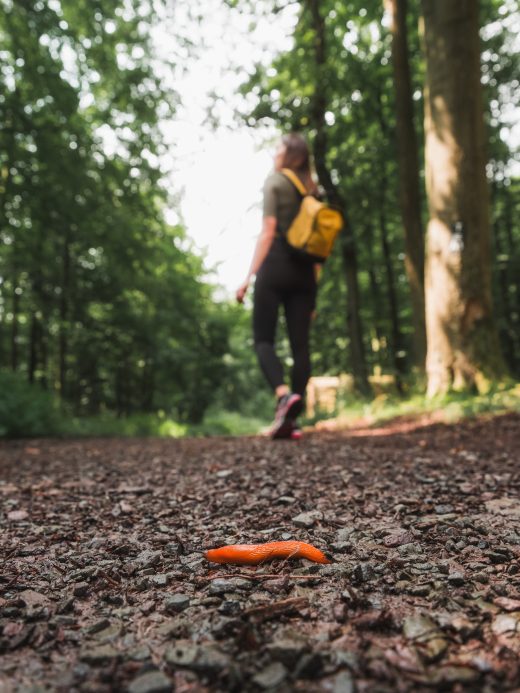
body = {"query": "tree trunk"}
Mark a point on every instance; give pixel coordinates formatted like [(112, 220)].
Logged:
[(397, 338), (463, 347), (409, 189), (504, 321), (14, 325), (348, 245), (375, 292), (33, 347), (63, 341)]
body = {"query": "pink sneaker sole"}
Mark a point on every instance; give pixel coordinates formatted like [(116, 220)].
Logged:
[(283, 424)]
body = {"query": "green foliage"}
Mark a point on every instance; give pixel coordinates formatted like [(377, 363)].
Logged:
[(100, 299), (451, 407), (357, 84), (25, 409), (215, 423)]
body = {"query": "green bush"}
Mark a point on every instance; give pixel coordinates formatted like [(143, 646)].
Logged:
[(26, 410), (134, 425)]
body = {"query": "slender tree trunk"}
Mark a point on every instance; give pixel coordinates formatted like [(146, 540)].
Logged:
[(14, 324), (397, 348), (513, 274), (409, 188), (348, 244), (375, 292), (44, 355), (506, 333), (397, 338), (463, 346), (33, 347), (63, 333)]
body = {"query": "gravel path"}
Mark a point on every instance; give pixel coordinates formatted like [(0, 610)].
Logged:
[(104, 586)]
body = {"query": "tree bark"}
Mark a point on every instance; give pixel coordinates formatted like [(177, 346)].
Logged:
[(409, 188), (463, 347), (348, 244), (14, 324), (374, 288), (397, 347), (63, 333)]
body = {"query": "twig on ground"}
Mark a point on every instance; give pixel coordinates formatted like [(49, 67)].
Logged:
[(276, 608)]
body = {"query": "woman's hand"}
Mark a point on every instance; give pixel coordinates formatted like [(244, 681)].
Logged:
[(242, 290)]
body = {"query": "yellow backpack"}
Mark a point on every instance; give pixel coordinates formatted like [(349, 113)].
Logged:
[(315, 227)]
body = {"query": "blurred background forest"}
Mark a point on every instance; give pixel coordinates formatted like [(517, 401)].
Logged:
[(109, 321)]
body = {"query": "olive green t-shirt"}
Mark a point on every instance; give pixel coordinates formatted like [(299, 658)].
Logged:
[(281, 200)]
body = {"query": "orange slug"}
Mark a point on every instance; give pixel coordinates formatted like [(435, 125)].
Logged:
[(253, 554)]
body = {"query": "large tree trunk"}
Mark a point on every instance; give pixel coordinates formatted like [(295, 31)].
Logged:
[(409, 190), (463, 347), (348, 244)]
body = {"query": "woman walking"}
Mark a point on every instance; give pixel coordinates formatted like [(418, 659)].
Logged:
[(283, 278)]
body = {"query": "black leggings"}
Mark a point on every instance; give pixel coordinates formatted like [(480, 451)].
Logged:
[(287, 280)]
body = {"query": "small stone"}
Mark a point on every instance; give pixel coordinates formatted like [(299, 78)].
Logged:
[(456, 578), (230, 607), (420, 591), (344, 534), (362, 573), (276, 586), (506, 623), (419, 627), (65, 606), (176, 603), (271, 676), (141, 654), (112, 632), (210, 660), (206, 660), (151, 682), (148, 559), (341, 683), (223, 626), (223, 585), (287, 650), (427, 635), (182, 654), (80, 589), (97, 656), (17, 515), (98, 626), (496, 557), (444, 509), (309, 666), (341, 546), (308, 519), (143, 584), (160, 580)]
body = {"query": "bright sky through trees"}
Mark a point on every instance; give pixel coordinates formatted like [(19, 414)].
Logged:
[(218, 168)]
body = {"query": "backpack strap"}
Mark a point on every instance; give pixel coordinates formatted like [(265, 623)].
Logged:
[(291, 175)]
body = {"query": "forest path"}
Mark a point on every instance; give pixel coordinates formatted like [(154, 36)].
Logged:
[(104, 587)]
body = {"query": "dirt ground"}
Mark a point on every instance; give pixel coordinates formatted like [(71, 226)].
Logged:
[(104, 585)]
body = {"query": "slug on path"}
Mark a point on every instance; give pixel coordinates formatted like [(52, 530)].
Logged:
[(253, 554)]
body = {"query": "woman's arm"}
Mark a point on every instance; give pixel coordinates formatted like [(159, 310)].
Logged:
[(263, 245)]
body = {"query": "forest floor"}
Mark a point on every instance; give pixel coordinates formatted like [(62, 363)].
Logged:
[(104, 585)]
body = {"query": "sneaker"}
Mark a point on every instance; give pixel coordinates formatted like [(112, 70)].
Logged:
[(296, 432), (289, 406)]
